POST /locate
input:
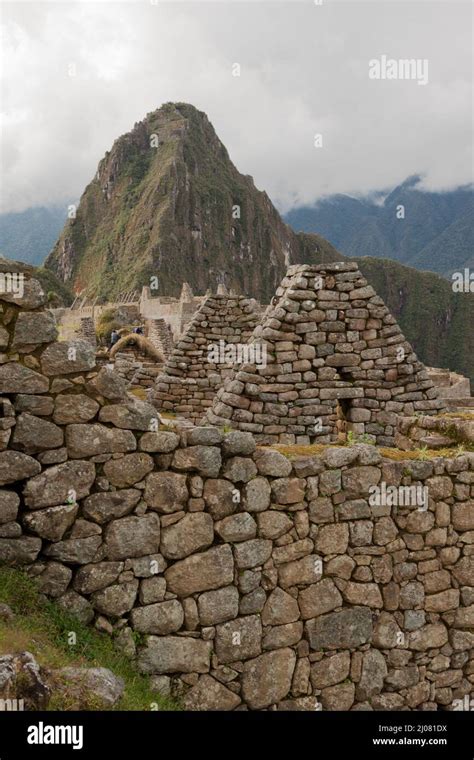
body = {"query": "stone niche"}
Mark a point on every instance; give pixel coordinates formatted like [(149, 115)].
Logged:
[(336, 360)]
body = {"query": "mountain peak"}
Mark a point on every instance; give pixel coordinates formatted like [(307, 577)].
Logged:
[(168, 203)]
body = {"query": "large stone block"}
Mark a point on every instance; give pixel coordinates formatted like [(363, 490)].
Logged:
[(206, 460), (239, 639), (132, 537), (194, 532), (17, 466), (67, 357), (161, 618), (102, 507), (175, 654), (266, 680), (34, 327), (201, 572), (129, 469), (346, 629), (93, 439), (15, 378), (60, 484), (166, 491), (33, 434)]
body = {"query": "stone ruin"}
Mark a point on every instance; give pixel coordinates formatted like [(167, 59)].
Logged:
[(333, 352), (192, 376), (255, 581)]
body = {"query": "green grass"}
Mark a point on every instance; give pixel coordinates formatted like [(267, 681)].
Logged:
[(41, 627)]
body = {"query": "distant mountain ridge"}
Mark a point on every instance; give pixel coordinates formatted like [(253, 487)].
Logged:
[(436, 233), (29, 235)]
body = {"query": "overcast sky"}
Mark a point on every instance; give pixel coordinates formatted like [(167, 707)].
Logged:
[(304, 70)]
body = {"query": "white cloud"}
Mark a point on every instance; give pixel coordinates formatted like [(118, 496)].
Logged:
[(304, 70)]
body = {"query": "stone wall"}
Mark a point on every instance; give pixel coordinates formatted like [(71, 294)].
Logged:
[(333, 351), (255, 581), (191, 378)]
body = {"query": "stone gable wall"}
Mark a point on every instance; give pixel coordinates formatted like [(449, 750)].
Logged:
[(190, 379), (333, 348), (255, 581)]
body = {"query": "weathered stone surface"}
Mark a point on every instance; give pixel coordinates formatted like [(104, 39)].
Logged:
[(283, 635), (56, 485), (235, 528), (272, 524), (238, 639), (9, 502), (221, 497), (428, 637), (40, 405), (51, 523), (357, 480), (53, 579), (363, 593), (239, 469), (159, 443), (77, 551), (333, 539), (86, 687), (208, 695), (34, 327), (162, 618), (175, 654), (191, 534), (346, 629), (237, 442), (201, 572), (374, 671), (218, 606), (252, 553), (319, 598), (204, 459), (166, 491), (16, 378), (95, 577), (272, 463), (132, 537), (302, 571), (256, 495), (16, 466), (77, 606), (339, 697), (330, 670), (19, 551), (67, 357), (74, 408), (463, 516), (287, 490), (134, 414), (129, 469), (33, 434), (280, 608), (115, 600), (109, 384), (267, 679), (92, 439), (22, 678), (102, 507)]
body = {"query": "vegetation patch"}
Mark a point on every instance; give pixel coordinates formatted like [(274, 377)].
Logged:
[(42, 627)]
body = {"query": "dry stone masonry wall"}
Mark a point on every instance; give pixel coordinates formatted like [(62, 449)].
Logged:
[(337, 581), (333, 350), (192, 375)]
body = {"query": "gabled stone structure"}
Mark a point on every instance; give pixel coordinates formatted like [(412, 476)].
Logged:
[(199, 362), (334, 353)]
